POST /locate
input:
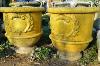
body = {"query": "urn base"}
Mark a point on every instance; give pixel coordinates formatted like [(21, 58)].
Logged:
[(70, 56), (24, 50)]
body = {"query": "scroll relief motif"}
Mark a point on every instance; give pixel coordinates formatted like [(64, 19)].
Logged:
[(69, 25), (19, 23)]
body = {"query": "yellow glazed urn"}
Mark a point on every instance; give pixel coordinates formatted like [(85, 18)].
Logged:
[(71, 29), (22, 26)]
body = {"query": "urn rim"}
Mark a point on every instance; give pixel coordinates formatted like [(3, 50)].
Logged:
[(21, 9), (73, 10)]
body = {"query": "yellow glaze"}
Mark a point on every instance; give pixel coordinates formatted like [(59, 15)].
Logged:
[(22, 25), (71, 28)]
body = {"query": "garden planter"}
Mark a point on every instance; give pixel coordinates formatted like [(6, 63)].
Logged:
[(97, 28), (22, 26), (71, 29), (98, 44)]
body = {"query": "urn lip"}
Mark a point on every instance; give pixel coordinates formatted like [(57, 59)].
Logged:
[(21, 9), (36, 3), (73, 10)]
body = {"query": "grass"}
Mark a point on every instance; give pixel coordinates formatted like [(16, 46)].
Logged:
[(89, 55)]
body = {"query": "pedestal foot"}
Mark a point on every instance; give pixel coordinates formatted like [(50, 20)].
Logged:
[(70, 56), (24, 50)]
